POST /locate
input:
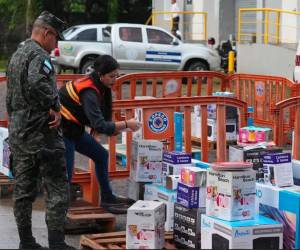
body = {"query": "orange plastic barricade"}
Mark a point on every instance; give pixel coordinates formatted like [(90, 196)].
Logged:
[(278, 113), (262, 93), (168, 84)]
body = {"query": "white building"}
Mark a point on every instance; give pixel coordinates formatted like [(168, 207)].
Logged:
[(222, 19)]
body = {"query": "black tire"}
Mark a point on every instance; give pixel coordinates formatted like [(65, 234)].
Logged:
[(197, 66), (87, 67)]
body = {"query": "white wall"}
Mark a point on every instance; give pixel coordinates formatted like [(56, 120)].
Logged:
[(212, 9), (265, 59), (289, 22), (164, 20)]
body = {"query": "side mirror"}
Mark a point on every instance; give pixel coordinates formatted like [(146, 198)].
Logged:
[(175, 41)]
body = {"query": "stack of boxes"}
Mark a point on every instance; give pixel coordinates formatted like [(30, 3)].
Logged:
[(231, 221), (191, 193), (253, 143), (166, 192), (253, 154)]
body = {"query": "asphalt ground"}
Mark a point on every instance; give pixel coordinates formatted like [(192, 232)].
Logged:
[(9, 238)]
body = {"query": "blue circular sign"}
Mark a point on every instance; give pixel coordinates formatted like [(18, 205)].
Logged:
[(158, 122), (260, 89)]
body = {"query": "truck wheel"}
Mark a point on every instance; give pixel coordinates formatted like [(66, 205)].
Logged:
[(87, 67), (197, 66)]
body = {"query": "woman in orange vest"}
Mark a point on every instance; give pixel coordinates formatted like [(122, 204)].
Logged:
[(88, 102)]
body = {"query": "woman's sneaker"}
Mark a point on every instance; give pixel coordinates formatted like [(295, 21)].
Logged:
[(116, 201)]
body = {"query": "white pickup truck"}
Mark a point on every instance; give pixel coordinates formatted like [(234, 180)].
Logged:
[(136, 47)]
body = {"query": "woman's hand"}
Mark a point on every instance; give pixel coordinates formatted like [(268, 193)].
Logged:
[(133, 124)]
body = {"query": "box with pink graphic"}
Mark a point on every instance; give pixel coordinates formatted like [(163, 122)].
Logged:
[(145, 225), (230, 195), (193, 176), (254, 134)]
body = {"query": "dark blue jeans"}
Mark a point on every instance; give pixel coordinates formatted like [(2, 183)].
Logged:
[(89, 147)]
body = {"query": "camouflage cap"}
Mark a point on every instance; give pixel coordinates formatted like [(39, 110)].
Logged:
[(54, 22)]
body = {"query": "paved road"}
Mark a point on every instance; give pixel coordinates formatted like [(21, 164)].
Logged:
[(8, 231)]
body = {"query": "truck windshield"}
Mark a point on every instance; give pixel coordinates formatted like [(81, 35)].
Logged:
[(66, 33)]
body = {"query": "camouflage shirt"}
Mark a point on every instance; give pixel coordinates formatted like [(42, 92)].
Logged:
[(31, 92)]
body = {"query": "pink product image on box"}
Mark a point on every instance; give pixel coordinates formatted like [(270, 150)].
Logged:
[(249, 135), (188, 176)]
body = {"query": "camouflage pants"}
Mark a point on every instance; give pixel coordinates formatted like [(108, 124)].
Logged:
[(27, 169)]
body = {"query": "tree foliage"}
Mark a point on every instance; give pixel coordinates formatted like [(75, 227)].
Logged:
[(17, 16)]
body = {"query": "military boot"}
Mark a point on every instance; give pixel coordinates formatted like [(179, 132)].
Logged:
[(27, 241), (57, 241)]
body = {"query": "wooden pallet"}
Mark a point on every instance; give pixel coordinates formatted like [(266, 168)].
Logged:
[(82, 217), (6, 185), (115, 240)]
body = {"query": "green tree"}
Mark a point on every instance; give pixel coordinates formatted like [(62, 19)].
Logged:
[(113, 11)]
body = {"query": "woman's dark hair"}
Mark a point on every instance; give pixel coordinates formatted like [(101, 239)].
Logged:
[(105, 64)]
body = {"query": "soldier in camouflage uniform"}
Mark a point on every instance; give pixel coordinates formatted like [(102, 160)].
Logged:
[(35, 139)]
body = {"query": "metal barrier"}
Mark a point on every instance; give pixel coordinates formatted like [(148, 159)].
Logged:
[(278, 114), (266, 25), (194, 23)]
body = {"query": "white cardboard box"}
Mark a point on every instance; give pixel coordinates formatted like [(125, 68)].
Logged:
[(193, 176), (278, 169), (138, 115), (231, 130), (260, 233), (231, 194), (146, 161), (145, 225), (135, 189), (3, 157), (169, 197), (172, 181), (173, 162), (150, 193)]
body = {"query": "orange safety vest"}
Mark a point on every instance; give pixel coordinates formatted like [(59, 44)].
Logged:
[(71, 108)]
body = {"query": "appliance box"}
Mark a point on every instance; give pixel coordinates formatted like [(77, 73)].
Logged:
[(260, 233), (240, 153), (172, 181), (230, 195), (4, 153), (145, 225), (193, 176), (278, 169), (187, 220), (282, 205), (173, 162), (136, 190), (191, 197), (146, 161)]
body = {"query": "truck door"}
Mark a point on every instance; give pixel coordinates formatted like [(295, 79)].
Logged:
[(162, 53), (129, 48)]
